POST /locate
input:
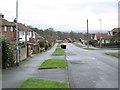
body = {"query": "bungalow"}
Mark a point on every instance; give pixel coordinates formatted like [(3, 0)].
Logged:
[(102, 36)]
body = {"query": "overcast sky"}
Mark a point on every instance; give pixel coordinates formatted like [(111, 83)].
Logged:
[(64, 15)]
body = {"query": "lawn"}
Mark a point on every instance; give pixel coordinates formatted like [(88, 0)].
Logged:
[(38, 83), (58, 51), (89, 48), (53, 63), (76, 44), (114, 54)]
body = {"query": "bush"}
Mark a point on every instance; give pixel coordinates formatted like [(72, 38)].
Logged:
[(42, 43), (7, 55), (93, 42)]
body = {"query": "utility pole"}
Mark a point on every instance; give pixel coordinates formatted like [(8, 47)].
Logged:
[(87, 35), (100, 33), (17, 47)]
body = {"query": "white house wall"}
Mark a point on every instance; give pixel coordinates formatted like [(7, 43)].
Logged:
[(33, 34), (22, 36), (29, 36)]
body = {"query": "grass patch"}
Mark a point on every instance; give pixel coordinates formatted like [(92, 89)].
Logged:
[(76, 44), (89, 48), (58, 52), (115, 49), (58, 49), (113, 54), (38, 83), (53, 63), (59, 45)]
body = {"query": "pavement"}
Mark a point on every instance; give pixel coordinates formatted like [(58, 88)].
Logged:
[(91, 68), (14, 77)]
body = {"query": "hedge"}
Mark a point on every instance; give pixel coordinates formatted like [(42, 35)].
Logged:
[(7, 55)]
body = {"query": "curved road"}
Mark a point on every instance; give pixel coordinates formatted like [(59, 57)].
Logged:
[(91, 68)]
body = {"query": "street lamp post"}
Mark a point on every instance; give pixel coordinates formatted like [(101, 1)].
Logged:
[(87, 35), (17, 47), (100, 33)]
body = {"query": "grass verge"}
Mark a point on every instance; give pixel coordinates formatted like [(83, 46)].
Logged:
[(113, 54), (89, 48), (76, 44), (58, 52), (53, 63), (38, 83)]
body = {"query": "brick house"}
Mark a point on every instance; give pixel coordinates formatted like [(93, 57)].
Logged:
[(8, 29)]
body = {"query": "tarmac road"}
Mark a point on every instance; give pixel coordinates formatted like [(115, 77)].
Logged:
[(91, 68)]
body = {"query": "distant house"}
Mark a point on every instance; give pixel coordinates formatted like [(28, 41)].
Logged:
[(113, 32), (116, 36), (25, 33), (104, 37), (113, 35), (7, 29)]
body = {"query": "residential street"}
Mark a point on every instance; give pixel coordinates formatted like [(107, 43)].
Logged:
[(91, 68), (86, 69)]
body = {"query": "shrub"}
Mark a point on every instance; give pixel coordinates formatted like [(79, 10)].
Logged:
[(7, 55), (93, 42), (42, 43)]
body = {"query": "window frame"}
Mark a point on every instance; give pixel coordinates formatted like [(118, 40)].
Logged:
[(5, 28), (11, 29)]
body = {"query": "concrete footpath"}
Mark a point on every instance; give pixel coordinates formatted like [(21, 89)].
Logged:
[(14, 77)]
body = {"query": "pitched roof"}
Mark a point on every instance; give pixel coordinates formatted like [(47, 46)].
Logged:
[(116, 36), (22, 27), (101, 35), (7, 23), (116, 30)]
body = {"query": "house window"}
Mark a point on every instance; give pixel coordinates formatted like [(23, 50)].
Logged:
[(11, 29), (28, 33), (5, 28), (22, 33)]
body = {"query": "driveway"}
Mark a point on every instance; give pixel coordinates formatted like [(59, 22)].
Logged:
[(91, 68)]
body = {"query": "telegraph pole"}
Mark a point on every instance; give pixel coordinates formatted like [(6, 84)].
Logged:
[(87, 35), (17, 41), (100, 33)]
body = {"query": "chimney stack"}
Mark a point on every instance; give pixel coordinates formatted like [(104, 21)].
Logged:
[(15, 20), (1, 15)]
